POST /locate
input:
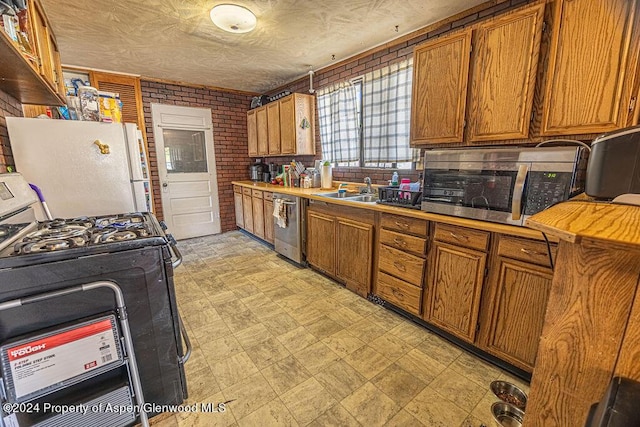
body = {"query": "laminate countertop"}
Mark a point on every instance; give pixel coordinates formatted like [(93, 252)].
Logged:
[(313, 194)]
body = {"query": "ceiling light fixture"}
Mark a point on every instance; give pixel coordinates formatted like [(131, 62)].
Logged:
[(233, 18)]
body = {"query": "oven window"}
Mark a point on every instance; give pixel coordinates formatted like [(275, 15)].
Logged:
[(490, 190)]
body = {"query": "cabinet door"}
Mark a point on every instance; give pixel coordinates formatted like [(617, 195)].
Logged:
[(252, 133), (440, 72), (130, 94), (263, 131), (321, 241), (258, 216), (517, 305), (288, 126), (268, 221), (237, 200), (273, 127), (354, 249), (247, 209), (587, 87), (454, 289), (504, 73), (41, 33)]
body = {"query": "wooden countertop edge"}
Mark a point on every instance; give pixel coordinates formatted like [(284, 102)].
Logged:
[(309, 193), (579, 220)]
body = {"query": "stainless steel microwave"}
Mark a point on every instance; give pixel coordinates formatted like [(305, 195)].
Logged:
[(504, 185)]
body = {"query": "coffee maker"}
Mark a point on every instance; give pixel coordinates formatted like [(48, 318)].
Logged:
[(256, 170)]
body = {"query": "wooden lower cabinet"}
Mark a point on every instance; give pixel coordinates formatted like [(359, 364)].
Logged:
[(454, 286), (517, 301), (258, 216), (399, 293), (247, 209), (268, 220), (237, 201), (321, 241), (354, 242)]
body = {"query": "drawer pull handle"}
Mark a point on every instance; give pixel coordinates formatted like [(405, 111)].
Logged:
[(400, 242), (402, 224), (397, 294), (458, 237), (530, 252), (399, 266)]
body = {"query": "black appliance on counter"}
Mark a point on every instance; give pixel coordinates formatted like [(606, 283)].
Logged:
[(504, 185), (130, 250), (614, 164), (618, 407)]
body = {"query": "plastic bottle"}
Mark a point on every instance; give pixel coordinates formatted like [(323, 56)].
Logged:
[(394, 179)]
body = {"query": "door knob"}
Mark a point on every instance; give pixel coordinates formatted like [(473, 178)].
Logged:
[(165, 185)]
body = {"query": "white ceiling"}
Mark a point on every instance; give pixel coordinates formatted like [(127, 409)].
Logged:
[(176, 40)]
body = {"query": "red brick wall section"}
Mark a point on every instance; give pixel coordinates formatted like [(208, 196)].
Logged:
[(229, 117), (378, 59), (9, 107)]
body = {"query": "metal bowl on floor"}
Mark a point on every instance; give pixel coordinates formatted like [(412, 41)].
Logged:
[(506, 415), (509, 393)]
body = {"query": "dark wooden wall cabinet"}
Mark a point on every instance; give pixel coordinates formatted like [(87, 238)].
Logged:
[(563, 67)]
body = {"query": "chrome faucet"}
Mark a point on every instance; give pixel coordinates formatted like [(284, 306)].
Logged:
[(367, 181)]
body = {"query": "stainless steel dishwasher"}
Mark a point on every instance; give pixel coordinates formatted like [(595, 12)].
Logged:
[(289, 240)]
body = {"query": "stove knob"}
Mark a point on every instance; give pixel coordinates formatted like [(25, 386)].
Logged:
[(163, 225)]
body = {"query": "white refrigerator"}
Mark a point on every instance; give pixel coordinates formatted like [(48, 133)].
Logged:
[(83, 168)]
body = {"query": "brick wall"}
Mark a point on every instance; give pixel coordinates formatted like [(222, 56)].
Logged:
[(9, 107), (229, 117), (378, 58)]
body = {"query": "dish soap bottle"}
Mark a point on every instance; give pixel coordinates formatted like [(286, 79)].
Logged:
[(394, 179)]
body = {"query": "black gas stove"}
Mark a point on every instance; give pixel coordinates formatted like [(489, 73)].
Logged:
[(130, 250)]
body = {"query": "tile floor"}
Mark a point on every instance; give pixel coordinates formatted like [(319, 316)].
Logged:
[(289, 347)]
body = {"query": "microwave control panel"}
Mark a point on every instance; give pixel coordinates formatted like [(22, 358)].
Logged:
[(545, 189)]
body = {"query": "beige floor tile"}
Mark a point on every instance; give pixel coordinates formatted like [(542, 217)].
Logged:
[(285, 374), (336, 416), (370, 406), (248, 395), (245, 291), (410, 333), (222, 300), (240, 320), (420, 365), (273, 414), (253, 335), (307, 401), (439, 349), (233, 369), (366, 330), (196, 361), (198, 319), (458, 389), (386, 318), (390, 346), (323, 327), (367, 361), (315, 357), (220, 349), (201, 384), (340, 379), (267, 353), (305, 315), (343, 343), (472, 421), (211, 331), (344, 316), (434, 410), (297, 339), (278, 294), (168, 421), (404, 419), (476, 370), (229, 307), (482, 411), (280, 323), (207, 419), (398, 384), (293, 302)]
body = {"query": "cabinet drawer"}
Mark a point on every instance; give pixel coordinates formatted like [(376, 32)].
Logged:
[(400, 264), (246, 191), (257, 194), (267, 195), (397, 292), (461, 236), (403, 242), (237, 189), (525, 250), (405, 224)]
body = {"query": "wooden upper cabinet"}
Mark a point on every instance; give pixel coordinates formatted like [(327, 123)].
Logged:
[(591, 65), (252, 133), (263, 131), (297, 124), (440, 75), (287, 132), (273, 127), (130, 94), (506, 51)]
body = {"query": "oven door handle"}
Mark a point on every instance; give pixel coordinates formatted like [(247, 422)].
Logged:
[(187, 341), (518, 190), (174, 248)]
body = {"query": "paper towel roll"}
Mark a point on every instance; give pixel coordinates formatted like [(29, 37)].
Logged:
[(325, 177)]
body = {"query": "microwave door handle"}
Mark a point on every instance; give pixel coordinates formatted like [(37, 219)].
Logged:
[(516, 202)]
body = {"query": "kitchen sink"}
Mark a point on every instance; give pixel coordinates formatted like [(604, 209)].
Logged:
[(352, 197), (368, 198)]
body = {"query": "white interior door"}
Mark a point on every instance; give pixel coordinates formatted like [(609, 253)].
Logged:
[(187, 169)]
